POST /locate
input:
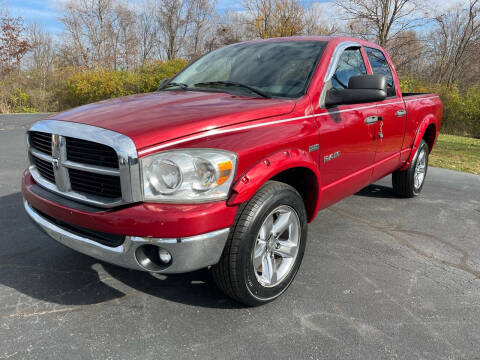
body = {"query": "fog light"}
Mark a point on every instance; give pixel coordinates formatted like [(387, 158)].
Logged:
[(164, 256)]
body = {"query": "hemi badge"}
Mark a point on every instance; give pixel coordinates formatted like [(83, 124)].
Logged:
[(313, 147), (327, 158)]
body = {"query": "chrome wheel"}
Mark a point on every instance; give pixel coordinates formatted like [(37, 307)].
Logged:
[(420, 168), (276, 246)]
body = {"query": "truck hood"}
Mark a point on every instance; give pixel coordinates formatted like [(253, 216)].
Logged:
[(153, 118)]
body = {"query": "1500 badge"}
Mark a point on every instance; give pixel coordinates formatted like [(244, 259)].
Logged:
[(327, 158)]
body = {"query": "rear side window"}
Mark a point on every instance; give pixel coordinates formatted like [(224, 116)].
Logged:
[(350, 64), (380, 67)]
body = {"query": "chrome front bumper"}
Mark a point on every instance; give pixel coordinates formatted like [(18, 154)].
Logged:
[(188, 254)]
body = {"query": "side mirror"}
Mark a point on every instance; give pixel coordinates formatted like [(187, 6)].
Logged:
[(163, 83), (361, 89)]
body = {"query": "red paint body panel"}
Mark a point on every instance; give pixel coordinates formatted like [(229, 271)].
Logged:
[(253, 179), (156, 117), (257, 130), (343, 129), (420, 109), (392, 127), (145, 219)]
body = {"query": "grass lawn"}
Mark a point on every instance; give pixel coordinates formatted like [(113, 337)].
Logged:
[(456, 153)]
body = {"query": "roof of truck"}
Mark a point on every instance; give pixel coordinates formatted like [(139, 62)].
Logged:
[(329, 39)]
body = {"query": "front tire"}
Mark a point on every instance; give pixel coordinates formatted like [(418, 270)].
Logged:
[(409, 183), (265, 246)]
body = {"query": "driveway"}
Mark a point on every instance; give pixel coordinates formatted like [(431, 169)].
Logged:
[(382, 278)]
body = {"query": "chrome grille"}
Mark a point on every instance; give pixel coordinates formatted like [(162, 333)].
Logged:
[(67, 164), (96, 184), (45, 169), (89, 152), (41, 141), (85, 163)]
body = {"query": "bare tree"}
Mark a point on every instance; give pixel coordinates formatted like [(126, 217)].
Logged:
[(110, 33), (456, 41), (260, 16), (232, 28), (86, 28), (174, 18), (272, 18), (289, 16), (201, 25), (13, 45), (315, 23), (408, 53), (381, 19), (42, 54), (124, 30), (148, 30), (99, 33)]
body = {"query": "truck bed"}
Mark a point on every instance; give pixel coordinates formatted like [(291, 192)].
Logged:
[(415, 94), (419, 106)]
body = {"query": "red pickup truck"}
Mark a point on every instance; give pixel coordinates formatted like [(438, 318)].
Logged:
[(225, 165)]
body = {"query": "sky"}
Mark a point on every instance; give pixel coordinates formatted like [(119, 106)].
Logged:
[(46, 12)]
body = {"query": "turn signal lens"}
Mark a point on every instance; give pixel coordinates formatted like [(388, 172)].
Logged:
[(224, 171)]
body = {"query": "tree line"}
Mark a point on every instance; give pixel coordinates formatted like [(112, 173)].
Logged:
[(117, 47)]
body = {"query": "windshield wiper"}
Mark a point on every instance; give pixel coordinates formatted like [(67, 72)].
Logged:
[(180, 85), (234, 83)]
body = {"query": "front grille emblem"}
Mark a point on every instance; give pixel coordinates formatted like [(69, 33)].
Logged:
[(56, 142), (59, 155), (55, 163)]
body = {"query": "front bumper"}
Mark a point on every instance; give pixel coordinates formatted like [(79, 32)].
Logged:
[(193, 234), (188, 253), (140, 219)]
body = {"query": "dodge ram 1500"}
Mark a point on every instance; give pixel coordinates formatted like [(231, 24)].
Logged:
[(228, 161)]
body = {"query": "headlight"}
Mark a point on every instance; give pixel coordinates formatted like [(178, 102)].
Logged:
[(188, 175)]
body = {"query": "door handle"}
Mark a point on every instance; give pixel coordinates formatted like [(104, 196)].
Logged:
[(372, 120), (400, 113)]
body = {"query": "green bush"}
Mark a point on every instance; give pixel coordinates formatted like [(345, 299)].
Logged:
[(18, 101), (83, 87), (461, 107), (151, 74)]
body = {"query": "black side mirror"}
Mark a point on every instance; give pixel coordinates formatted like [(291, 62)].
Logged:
[(361, 89), (163, 83)]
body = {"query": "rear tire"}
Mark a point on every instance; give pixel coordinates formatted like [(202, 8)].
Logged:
[(409, 183), (265, 246)]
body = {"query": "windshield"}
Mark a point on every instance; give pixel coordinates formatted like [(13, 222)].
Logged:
[(277, 69)]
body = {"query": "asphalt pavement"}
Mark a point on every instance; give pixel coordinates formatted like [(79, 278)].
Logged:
[(382, 278)]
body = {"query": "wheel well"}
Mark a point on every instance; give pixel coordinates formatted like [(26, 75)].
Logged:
[(429, 136), (305, 182)]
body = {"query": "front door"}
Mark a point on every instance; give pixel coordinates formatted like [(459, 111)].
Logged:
[(347, 136)]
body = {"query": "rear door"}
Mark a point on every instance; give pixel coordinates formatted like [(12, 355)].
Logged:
[(391, 129)]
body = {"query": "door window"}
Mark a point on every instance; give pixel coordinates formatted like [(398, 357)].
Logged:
[(380, 67), (350, 64)]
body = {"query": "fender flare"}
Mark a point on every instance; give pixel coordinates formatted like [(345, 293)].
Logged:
[(255, 177), (421, 129)]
